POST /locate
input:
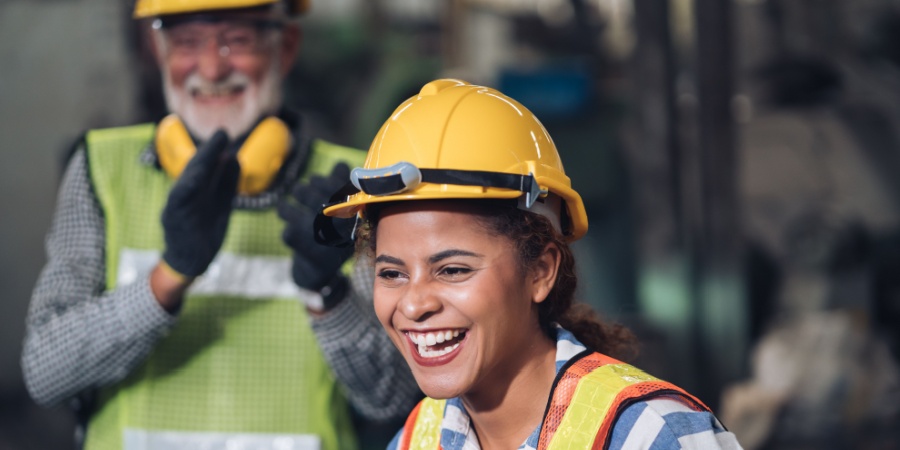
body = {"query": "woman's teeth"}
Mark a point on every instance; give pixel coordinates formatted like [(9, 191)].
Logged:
[(433, 337), (426, 342)]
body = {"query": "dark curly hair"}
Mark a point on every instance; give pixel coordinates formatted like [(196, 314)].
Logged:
[(530, 233)]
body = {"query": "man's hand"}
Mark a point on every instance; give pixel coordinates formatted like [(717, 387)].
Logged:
[(315, 265), (196, 215)]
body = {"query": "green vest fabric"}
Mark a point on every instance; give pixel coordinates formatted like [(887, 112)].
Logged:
[(239, 364)]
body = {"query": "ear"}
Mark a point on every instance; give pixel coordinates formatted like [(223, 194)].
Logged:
[(543, 274), (290, 46)]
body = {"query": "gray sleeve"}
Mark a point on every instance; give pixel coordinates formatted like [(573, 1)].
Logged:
[(79, 337), (378, 382)]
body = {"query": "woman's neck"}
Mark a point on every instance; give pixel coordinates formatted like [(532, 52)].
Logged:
[(504, 418)]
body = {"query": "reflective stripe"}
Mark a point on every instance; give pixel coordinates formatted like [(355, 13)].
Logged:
[(591, 404), (135, 439), (426, 435), (252, 277)]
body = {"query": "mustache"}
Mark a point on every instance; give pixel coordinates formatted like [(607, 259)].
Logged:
[(196, 84)]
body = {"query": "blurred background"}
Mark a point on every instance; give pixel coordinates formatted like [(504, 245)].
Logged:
[(739, 161)]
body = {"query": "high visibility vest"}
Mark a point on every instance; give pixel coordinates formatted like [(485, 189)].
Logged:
[(241, 368), (586, 400)]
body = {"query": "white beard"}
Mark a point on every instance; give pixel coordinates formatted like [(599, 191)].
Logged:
[(257, 100)]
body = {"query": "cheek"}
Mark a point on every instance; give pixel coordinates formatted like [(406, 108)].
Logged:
[(179, 69), (255, 66), (385, 305)]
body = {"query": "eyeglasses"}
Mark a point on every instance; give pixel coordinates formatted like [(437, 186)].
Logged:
[(231, 38)]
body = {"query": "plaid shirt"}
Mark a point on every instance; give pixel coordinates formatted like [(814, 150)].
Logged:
[(79, 337), (658, 424)]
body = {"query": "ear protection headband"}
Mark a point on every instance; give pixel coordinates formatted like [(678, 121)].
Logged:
[(260, 156)]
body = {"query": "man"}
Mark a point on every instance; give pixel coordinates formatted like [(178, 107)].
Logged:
[(167, 313)]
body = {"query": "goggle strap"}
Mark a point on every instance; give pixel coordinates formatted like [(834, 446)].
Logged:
[(523, 183), (326, 233), (477, 178), (393, 183)]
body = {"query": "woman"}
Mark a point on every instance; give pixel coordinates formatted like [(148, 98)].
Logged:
[(468, 215)]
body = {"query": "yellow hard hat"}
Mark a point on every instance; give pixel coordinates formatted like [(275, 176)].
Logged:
[(155, 8), (455, 140)]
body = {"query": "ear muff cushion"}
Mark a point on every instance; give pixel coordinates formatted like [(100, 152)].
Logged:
[(174, 146), (262, 155)]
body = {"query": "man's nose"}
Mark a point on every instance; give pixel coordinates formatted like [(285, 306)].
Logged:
[(212, 62), (419, 301)]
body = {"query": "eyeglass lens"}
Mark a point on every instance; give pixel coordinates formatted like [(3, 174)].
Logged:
[(234, 38)]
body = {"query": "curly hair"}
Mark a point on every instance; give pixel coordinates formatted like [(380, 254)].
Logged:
[(530, 234)]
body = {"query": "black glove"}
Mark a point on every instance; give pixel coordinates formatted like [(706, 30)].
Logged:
[(315, 265), (196, 214)]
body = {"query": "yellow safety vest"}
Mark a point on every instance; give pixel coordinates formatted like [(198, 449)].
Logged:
[(585, 402), (241, 368)]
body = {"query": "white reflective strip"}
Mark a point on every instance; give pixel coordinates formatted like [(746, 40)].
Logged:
[(134, 264), (135, 439), (229, 274)]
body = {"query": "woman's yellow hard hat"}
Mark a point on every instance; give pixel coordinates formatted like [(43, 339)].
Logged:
[(455, 140), (155, 8)]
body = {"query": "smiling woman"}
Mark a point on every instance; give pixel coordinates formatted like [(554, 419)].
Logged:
[(468, 214)]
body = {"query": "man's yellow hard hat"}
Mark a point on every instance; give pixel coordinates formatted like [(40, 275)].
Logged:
[(154, 8), (455, 140)]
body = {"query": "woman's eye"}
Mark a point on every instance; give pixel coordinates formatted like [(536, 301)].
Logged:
[(455, 272), (389, 274)]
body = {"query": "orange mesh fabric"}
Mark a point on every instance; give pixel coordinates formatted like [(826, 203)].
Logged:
[(638, 391), (641, 387), (565, 388)]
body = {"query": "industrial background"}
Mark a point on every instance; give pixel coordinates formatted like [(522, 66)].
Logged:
[(739, 161)]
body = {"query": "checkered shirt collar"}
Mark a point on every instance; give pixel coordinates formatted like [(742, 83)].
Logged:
[(457, 432)]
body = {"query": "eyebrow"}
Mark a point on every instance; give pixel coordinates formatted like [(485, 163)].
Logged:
[(450, 253), (389, 260), (437, 257)]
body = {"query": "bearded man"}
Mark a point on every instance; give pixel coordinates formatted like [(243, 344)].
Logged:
[(185, 302)]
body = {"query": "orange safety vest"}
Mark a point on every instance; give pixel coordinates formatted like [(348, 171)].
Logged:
[(586, 400)]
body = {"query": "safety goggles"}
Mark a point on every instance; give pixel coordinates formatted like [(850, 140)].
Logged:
[(403, 176)]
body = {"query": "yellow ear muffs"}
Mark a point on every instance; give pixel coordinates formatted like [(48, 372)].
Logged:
[(174, 146), (260, 157)]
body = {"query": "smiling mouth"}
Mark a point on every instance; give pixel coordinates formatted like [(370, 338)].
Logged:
[(216, 92), (434, 344)]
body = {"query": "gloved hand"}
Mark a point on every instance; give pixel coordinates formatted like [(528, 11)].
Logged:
[(315, 265), (196, 215)]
